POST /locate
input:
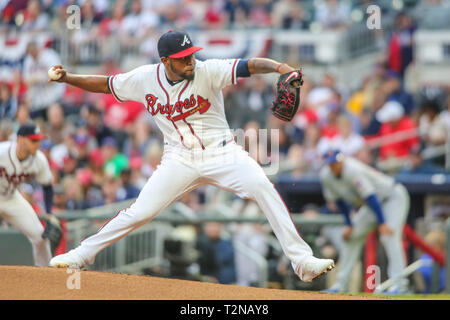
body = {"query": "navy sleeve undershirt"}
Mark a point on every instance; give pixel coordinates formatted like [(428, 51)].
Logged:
[(48, 197), (242, 69)]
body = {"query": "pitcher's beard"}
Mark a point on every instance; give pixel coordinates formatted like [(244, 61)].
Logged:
[(187, 76)]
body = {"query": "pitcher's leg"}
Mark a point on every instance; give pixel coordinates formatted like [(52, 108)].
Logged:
[(247, 179), (169, 182), (19, 213)]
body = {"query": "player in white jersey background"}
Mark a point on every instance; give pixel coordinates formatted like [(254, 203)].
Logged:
[(184, 96), (381, 203), (22, 161)]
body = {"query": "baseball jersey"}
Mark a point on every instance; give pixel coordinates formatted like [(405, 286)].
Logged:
[(13, 172), (356, 183), (191, 112)]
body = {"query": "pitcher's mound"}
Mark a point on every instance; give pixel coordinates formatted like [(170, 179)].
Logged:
[(28, 283)]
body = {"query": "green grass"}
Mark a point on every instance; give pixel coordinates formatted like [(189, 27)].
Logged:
[(442, 296)]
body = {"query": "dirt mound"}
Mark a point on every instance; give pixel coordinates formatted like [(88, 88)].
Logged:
[(29, 283)]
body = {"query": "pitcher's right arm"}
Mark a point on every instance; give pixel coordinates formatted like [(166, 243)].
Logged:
[(91, 83)]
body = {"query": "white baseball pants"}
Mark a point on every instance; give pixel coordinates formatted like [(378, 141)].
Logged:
[(19, 213), (395, 211), (228, 167)]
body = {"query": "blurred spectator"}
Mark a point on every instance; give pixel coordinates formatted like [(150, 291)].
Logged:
[(95, 172), (259, 98), (394, 122), (110, 66), (214, 17), (95, 125), (438, 131), (110, 189), (6, 130), (40, 93), (152, 158), (138, 179), (320, 96), (288, 14), (435, 239), (73, 193), (88, 32), (432, 14), (91, 189), (216, 254), (400, 47), (394, 91), (333, 14), (8, 102), (137, 25), (59, 198), (236, 13), (115, 161), (82, 150), (127, 190), (192, 14), (370, 125), (252, 236), (55, 123), (259, 16), (34, 19), (111, 25), (139, 138), (295, 159), (329, 124), (346, 140), (69, 167), (118, 115), (429, 128), (65, 147), (311, 153)]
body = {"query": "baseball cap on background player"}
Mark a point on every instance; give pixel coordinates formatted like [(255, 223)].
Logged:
[(333, 156), (176, 44), (30, 131)]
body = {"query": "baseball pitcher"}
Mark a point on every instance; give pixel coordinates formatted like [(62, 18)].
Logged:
[(381, 202), (21, 161), (184, 95)]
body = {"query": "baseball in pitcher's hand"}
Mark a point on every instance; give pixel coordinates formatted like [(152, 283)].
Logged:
[(384, 230), (59, 70), (347, 233)]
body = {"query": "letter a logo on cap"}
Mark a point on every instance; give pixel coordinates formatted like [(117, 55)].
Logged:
[(185, 40)]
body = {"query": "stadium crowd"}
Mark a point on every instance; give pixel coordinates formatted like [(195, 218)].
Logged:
[(102, 152)]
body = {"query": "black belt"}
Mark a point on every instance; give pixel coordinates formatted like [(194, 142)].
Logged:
[(223, 143)]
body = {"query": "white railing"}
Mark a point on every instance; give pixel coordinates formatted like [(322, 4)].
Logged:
[(432, 46)]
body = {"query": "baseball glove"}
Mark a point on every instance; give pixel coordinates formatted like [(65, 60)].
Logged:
[(52, 231), (287, 97)]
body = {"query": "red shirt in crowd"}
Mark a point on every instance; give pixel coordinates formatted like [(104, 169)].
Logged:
[(401, 148)]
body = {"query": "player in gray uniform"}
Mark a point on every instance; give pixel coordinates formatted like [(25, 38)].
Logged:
[(21, 161), (381, 202)]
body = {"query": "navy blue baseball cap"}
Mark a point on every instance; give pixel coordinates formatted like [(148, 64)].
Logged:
[(30, 131), (176, 44), (332, 156)]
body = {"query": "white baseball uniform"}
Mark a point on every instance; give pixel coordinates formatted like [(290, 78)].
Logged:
[(13, 206), (199, 149), (357, 182)]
